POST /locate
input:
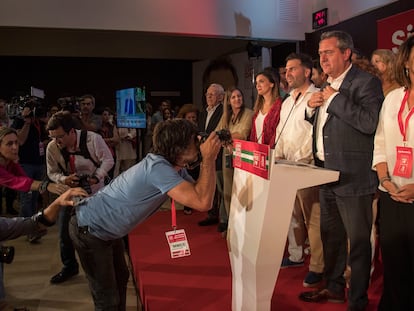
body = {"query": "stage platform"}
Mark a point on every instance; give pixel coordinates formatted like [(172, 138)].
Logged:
[(202, 281)]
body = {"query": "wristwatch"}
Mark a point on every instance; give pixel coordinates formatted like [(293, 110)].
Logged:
[(40, 218)]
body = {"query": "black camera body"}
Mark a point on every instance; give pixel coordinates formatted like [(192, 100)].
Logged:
[(18, 103), (6, 254), (224, 135), (84, 183), (69, 103)]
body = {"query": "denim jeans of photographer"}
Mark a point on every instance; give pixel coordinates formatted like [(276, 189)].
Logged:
[(104, 265)]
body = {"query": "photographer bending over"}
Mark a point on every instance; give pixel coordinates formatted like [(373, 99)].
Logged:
[(102, 220)]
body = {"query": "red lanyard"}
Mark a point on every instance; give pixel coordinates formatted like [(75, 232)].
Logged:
[(173, 215), (404, 126), (72, 163)]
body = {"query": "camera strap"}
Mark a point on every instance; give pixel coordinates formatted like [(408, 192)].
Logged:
[(84, 151)]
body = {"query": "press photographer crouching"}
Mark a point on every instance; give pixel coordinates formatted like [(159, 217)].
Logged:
[(76, 158)]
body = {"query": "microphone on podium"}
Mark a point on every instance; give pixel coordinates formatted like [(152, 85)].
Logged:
[(293, 106), (324, 85)]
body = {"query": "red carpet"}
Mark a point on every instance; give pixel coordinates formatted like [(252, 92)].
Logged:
[(202, 281)]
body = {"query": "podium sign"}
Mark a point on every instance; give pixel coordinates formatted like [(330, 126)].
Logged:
[(251, 157), (259, 219)]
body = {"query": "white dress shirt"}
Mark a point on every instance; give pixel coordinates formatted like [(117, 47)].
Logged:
[(323, 114), (388, 135), (294, 133)]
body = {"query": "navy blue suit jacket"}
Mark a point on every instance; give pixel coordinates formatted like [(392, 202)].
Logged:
[(348, 134)]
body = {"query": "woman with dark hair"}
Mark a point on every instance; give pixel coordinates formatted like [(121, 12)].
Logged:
[(393, 161), (238, 120), (266, 109), (13, 176), (11, 173)]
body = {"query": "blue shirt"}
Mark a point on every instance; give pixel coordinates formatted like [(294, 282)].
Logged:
[(130, 198)]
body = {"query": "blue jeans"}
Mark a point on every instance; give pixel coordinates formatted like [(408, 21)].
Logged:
[(28, 200), (104, 265), (67, 251)]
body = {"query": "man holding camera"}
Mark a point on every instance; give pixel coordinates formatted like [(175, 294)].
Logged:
[(103, 219), (78, 159)]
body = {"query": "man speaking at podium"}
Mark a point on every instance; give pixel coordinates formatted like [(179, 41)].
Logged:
[(345, 116)]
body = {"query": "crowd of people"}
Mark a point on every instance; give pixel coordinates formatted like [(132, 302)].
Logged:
[(329, 112)]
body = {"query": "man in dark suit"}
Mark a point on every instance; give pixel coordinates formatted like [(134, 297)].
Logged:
[(345, 116), (208, 121)]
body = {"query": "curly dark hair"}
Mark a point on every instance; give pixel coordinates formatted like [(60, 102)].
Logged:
[(171, 137)]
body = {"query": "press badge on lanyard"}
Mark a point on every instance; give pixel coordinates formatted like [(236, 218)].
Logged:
[(177, 239), (404, 160)]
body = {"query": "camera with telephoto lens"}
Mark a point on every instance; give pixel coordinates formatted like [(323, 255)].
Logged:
[(224, 135), (6, 254), (84, 183), (34, 101)]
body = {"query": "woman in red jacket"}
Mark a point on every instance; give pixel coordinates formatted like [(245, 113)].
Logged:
[(266, 108), (11, 173)]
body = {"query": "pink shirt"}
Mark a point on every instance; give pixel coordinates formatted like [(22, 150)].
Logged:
[(12, 176)]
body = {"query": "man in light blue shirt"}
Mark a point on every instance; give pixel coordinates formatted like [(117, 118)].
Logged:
[(102, 220)]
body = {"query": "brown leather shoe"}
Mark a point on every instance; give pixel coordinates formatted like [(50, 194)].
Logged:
[(322, 295)]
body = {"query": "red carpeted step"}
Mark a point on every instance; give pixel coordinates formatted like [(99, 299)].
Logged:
[(202, 281)]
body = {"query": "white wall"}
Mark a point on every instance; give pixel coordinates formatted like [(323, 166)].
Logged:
[(266, 19), (270, 19), (339, 11)]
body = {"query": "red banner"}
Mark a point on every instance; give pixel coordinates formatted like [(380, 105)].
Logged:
[(394, 30), (251, 157)]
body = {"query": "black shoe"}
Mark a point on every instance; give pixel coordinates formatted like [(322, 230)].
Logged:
[(63, 276), (208, 221), (321, 296), (34, 237), (222, 227)]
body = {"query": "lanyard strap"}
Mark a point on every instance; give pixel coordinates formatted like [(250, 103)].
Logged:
[(173, 215), (404, 125)]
